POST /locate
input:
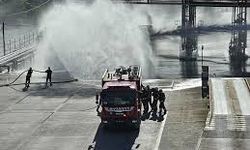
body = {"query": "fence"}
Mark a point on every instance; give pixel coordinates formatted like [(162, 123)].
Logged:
[(15, 44)]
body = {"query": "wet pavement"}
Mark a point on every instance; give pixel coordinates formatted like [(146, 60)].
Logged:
[(228, 122), (186, 120), (64, 117)]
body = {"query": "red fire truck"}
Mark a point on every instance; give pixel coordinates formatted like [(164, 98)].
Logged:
[(120, 97)]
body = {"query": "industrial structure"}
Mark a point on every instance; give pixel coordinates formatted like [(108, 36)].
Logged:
[(188, 50), (238, 42), (189, 39)]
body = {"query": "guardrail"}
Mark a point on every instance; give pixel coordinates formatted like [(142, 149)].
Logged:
[(15, 44), (204, 3)]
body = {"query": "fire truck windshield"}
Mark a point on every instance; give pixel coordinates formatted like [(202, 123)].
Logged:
[(118, 98)]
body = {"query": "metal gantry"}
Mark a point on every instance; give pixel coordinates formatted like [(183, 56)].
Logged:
[(198, 3), (238, 42), (188, 49)]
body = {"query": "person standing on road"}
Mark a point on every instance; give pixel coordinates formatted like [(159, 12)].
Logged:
[(28, 76), (155, 99), (162, 98), (98, 105), (148, 96), (48, 78), (144, 101)]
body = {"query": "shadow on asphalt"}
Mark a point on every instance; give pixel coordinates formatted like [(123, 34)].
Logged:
[(60, 90), (153, 117), (114, 139)]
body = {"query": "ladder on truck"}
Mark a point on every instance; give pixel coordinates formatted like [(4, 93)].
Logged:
[(131, 73)]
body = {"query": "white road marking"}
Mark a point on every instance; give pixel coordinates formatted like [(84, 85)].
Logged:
[(199, 141), (210, 122), (187, 84), (243, 96), (158, 140), (219, 97)]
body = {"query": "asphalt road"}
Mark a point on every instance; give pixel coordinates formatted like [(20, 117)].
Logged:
[(228, 122), (63, 117)]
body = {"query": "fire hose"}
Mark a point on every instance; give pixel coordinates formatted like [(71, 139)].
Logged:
[(65, 81), (13, 82)]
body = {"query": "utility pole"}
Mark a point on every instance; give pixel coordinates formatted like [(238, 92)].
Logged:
[(202, 48), (204, 77), (4, 48), (238, 42)]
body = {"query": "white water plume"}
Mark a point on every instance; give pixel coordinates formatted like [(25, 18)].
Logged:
[(88, 38)]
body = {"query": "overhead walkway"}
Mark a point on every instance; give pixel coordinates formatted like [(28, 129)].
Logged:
[(201, 3)]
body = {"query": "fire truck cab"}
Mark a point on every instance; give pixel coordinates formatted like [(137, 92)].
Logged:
[(120, 97)]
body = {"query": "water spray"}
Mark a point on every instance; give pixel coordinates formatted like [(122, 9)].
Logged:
[(88, 38)]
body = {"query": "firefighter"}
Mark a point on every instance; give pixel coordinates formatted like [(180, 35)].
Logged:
[(162, 98), (144, 101), (148, 96), (28, 76), (48, 78), (98, 103), (155, 94)]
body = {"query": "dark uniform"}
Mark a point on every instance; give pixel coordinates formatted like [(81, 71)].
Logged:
[(155, 99), (98, 103), (148, 96), (162, 98), (144, 101), (48, 78), (28, 76)]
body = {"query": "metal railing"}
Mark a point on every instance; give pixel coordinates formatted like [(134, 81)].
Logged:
[(204, 3), (15, 44)]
